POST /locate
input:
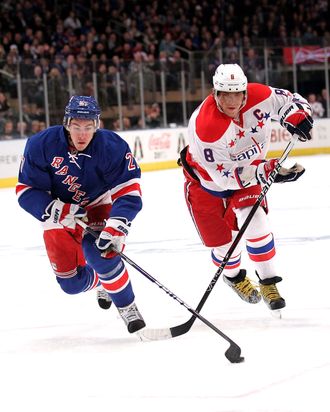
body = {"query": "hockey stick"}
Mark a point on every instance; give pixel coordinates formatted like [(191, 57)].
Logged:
[(233, 353), (172, 332)]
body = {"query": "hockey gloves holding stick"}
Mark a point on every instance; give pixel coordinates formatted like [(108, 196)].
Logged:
[(297, 119), (62, 215), (112, 238), (264, 169)]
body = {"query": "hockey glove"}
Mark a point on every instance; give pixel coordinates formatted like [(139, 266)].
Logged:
[(264, 169), (284, 175), (60, 214), (289, 175), (112, 238), (298, 120)]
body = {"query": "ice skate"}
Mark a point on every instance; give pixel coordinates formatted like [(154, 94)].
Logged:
[(270, 294), (243, 287), (132, 318), (103, 298)]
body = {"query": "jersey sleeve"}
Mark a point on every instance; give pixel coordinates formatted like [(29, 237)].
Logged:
[(287, 104), (34, 185)]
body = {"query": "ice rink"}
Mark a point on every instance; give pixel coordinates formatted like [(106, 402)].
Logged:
[(63, 353)]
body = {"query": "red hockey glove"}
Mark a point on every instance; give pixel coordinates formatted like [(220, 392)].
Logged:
[(264, 169), (300, 123), (297, 119), (112, 238), (60, 214)]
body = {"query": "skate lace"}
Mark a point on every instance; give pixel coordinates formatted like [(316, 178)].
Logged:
[(245, 287), (130, 314), (270, 292), (102, 294)]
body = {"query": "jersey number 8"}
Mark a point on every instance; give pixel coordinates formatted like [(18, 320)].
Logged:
[(208, 154)]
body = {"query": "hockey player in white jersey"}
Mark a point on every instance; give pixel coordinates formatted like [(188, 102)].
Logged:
[(225, 168)]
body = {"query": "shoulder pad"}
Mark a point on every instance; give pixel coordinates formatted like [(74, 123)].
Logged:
[(211, 124)]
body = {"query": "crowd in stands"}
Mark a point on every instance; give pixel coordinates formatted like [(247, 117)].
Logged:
[(111, 36)]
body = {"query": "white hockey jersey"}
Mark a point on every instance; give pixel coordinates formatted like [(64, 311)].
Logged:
[(225, 152)]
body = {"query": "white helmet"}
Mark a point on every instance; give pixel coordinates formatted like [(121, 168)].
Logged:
[(229, 78)]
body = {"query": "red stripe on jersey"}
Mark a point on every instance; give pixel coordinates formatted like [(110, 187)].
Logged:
[(196, 166), (256, 93), (20, 187), (135, 187), (117, 284), (211, 124)]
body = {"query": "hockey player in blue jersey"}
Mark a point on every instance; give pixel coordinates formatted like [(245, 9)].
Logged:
[(81, 171)]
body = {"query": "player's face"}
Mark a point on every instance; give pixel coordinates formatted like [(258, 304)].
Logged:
[(81, 133), (231, 102)]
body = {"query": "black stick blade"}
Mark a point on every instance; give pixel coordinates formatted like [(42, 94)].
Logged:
[(233, 353)]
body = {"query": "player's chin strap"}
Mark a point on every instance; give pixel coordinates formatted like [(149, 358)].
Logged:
[(233, 353)]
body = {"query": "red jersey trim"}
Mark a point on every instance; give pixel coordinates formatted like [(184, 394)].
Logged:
[(211, 124), (197, 167), (135, 187), (256, 93)]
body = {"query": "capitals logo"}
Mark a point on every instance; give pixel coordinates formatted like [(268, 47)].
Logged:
[(249, 153)]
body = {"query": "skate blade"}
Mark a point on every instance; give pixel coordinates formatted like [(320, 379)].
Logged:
[(147, 335), (277, 313)]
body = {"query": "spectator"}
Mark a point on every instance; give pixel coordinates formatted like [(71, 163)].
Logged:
[(153, 116), (8, 132), (34, 88), (153, 28), (167, 44), (72, 21), (174, 65), (2, 52), (8, 81), (325, 101), (4, 105), (42, 125), (21, 130), (35, 127), (231, 51), (57, 94), (126, 124), (137, 66), (317, 107), (112, 85), (253, 67)]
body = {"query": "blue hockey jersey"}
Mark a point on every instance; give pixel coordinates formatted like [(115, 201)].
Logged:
[(105, 172)]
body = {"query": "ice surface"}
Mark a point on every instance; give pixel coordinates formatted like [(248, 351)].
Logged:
[(63, 353)]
